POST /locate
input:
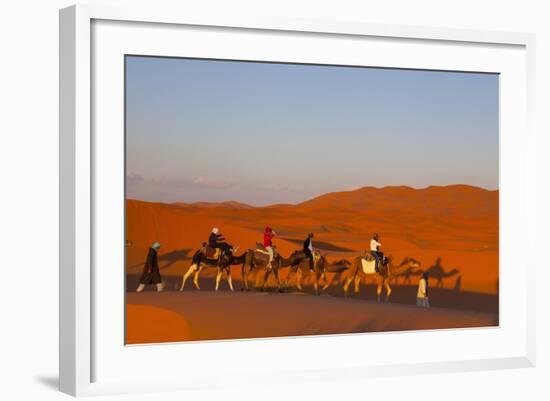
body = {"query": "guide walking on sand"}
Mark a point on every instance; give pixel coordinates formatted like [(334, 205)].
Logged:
[(151, 272), (422, 299)]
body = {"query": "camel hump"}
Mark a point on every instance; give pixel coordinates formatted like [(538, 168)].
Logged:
[(212, 253)]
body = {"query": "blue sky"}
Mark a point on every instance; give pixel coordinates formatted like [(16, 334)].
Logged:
[(264, 133)]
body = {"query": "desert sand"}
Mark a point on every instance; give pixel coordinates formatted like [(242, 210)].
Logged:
[(453, 230), (238, 315)]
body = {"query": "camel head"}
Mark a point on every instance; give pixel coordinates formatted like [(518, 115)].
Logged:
[(414, 263), (316, 256), (343, 262)]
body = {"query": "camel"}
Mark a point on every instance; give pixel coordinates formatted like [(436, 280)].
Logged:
[(258, 259), (438, 272), (362, 268), (320, 266), (200, 261), (301, 267), (342, 266)]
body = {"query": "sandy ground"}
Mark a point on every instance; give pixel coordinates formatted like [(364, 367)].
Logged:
[(208, 315)]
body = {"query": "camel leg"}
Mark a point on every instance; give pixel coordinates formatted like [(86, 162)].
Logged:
[(266, 277), (190, 271), (218, 279), (198, 271), (357, 283), (276, 275), (287, 279), (244, 273), (337, 279), (346, 285), (388, 291), (244, 277), (299, 279), (257, 279), (378, 291), (324, 278), (251, 270), (229, 280), (196, 278), (316, 284)]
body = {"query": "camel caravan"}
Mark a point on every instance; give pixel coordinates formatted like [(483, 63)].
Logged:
[(217, 253)]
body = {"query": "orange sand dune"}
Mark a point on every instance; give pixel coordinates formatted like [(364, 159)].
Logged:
[(226, 315), (151, 324), (456, 224)]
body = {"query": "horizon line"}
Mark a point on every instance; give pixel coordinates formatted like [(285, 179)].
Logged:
[(314, 197)]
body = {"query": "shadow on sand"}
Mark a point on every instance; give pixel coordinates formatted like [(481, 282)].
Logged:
[(167, 259), (402, 294)]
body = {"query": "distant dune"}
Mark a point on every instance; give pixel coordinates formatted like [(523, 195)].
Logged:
[(456, 224), (227, 204)]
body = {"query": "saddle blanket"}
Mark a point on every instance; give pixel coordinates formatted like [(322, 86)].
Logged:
[(212, 253), (368, 266)]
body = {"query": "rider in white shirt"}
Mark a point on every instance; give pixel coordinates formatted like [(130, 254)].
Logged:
[(374, 249)]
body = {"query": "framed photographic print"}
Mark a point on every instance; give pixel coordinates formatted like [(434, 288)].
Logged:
[(276, 190)]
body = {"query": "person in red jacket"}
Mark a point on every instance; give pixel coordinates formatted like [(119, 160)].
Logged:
[(269, 234)]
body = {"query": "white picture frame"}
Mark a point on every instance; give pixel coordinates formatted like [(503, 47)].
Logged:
[(84, 351)]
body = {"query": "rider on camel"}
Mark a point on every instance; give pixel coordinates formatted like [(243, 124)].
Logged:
[(217, 240), (308, 250), (269, 233), (375, 251)]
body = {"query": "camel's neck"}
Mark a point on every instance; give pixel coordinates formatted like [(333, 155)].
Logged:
[(293, 260), (235, 260), (285, 261)]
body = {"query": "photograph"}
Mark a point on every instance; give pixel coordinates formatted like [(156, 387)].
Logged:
[(268, 199)]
